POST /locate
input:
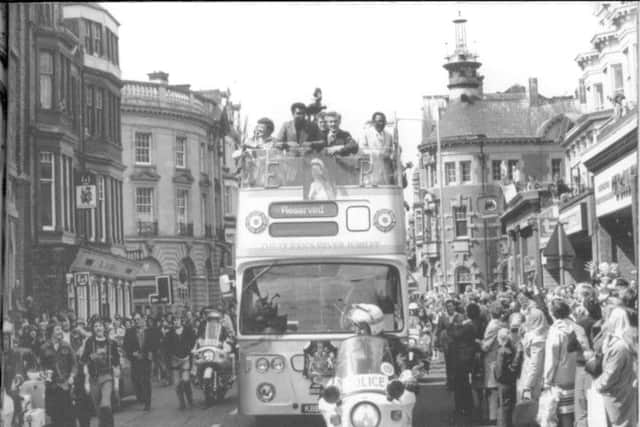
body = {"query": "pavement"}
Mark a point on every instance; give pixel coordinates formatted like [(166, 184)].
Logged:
[(434, 408)]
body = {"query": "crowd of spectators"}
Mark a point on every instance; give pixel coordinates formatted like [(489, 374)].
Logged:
[(520, 355), (80, 360)]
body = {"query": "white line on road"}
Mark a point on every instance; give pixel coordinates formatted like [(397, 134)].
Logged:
[(216, 425)]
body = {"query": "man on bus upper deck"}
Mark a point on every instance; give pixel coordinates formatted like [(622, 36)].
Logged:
[(299, 129), (338, 142), (378, 142)]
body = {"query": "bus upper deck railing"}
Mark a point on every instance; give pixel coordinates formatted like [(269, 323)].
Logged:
[(318, 171)]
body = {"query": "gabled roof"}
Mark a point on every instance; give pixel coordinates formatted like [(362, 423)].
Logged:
[(500, 117)]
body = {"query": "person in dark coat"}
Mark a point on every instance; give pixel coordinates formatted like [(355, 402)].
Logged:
[(506, 372), (299, 129), (463, 348), (180, 341), (139, 345)]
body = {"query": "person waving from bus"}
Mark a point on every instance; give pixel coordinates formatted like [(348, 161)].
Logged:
[(298, 130)]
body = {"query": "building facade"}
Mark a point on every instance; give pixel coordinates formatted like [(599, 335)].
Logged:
[(605, 149), (62, 145), (492, 146), (173, 189)]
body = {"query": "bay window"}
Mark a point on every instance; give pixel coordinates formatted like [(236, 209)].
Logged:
[(47, 194), (45, 67)]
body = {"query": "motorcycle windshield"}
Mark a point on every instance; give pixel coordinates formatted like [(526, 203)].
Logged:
[(212, 332), (364, 355)]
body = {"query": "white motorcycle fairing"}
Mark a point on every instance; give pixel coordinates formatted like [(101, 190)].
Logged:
[(341, 415)]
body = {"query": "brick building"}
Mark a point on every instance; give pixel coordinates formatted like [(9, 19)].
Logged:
[(492, 146), (173, 190), (66, 79)]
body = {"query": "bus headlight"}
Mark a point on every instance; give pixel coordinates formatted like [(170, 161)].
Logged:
[(365, 414), (277, 364), (266, 392), (256, 222), (262, 365), (384, 220)]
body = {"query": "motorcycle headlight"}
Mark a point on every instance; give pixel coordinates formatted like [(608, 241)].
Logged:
[(266, 392), (365, 414), (277, 364), (208, 356), (262, 365)]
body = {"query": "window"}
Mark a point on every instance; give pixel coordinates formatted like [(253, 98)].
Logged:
[(182, 202), (203, 158), (99, 104), (556, 172), (181, 152), (598, 96), (144, 204), (582, 93), (321, 287), (89, 123), (460, 218), (45, 14), (143, 148), (46, 80), (512, 165), (496, 172), (465, 171), (449, 173), (47, 194), (94, 298), (227, 200), (97, 39), (618, 80), (63, 83), (88, 38), (82, 302), (204, 212)]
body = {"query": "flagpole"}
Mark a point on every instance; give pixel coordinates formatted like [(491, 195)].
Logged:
[(441, 186)]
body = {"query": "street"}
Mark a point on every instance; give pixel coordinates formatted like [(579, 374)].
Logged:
[(433, 409)]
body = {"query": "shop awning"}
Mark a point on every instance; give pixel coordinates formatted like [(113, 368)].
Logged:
[(552, 250)]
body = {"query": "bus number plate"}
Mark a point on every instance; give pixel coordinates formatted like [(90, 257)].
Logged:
[(310, 408)]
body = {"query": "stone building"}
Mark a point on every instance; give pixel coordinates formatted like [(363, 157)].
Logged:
[(173, 190), (601, 150), (66, 83), (493, 145)]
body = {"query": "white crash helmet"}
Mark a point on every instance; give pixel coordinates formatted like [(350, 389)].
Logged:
[(413, 306), (367, 314)]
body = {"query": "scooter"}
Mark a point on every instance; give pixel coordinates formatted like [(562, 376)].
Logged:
[(366, 389)]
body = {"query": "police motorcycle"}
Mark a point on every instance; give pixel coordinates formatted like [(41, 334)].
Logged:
[(367, 389), (213, 368)]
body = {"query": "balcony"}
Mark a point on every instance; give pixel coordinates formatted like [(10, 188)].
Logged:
[(135, 254), (208, 231), (162, 96), (147, 228), (185, 229)]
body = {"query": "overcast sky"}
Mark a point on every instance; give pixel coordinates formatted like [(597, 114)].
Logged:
[(365, 57)]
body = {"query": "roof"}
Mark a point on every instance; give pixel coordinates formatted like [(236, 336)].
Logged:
[(500, 116)]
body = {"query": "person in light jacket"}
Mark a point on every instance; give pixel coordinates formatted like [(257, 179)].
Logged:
[(489, 345), (616, 383), (561, 352), (533, 343)]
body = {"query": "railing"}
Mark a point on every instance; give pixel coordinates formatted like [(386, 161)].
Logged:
[(185, 229), (135, 254), (147, 228), (158, 94), (208, 231)]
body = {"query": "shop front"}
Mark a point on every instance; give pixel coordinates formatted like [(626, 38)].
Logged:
[(100, 284), (614, 188)]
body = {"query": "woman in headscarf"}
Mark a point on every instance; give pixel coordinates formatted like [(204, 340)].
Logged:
[(530, 382), (617, 378)]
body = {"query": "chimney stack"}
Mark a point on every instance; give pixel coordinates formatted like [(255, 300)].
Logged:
[(533, 91), (159, 77)]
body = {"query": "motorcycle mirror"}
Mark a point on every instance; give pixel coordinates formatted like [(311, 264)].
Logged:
[(394, 390), (331, 394)]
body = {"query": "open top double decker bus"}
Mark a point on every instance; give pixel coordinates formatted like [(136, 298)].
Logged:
[(316, 234)]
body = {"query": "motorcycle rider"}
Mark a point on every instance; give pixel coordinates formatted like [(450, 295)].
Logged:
[(368, 319), (180, 341)]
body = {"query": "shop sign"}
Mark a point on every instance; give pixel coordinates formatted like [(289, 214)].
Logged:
[(613, 186), (574, 219), (229, 235), (86, 193), (548, 221)]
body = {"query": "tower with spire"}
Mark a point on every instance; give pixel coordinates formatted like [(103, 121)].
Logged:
[(465, 84)]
